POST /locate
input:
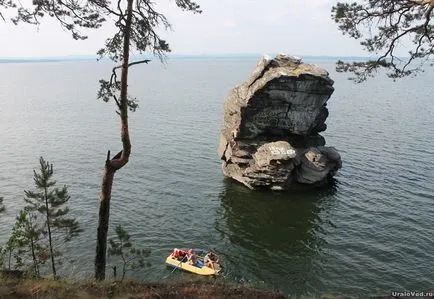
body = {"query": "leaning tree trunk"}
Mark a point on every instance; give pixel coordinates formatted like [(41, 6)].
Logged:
[(118, 161)]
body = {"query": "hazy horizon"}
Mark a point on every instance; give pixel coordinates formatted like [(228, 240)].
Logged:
[(243, 26), (172, 56)]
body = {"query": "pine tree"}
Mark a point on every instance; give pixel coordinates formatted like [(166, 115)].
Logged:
[(24, 242), (386, 29), (137, 28), (131, 257), (9, 249), (71, 15), (51, 202)]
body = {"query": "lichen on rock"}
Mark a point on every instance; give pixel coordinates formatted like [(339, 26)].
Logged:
[(272, 123)]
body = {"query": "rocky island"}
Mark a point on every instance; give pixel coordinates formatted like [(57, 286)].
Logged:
[(272, 123)]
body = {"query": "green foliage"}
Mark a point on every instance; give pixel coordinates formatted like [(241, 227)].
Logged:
[(137, 23), (12, 245), (121, 246), (24, 243), (71, 15), (144, 38), (50, 202), (384, 27), (137, 27), (43, 216)]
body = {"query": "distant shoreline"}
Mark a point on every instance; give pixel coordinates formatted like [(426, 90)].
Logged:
[(171, 57)]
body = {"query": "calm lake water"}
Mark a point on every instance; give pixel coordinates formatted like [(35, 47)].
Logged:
[(368, 232)]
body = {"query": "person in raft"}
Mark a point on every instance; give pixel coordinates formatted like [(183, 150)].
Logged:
[(191, 257), (178, 254), (210, 258)]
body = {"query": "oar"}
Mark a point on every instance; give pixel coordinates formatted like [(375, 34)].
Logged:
[(176, 267)]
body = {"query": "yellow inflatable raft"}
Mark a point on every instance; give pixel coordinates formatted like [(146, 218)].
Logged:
[(199, 268)]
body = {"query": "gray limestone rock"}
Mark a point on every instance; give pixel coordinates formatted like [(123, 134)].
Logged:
[(271, 124), (317, 164), (274, 152)]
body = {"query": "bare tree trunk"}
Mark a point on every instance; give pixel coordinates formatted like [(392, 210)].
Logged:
[(35, 263), (118, 161), (32, 245), (104, 213), (53, 266)]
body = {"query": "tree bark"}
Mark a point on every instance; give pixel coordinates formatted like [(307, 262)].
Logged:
[(32, 245), (104, 213), (53, 266), (118, 161)]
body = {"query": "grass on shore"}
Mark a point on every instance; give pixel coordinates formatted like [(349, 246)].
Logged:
[(47, 288)]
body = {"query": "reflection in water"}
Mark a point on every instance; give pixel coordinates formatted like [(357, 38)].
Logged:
[(277, 237)]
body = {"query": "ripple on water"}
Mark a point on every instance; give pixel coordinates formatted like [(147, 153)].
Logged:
[(368, 232)]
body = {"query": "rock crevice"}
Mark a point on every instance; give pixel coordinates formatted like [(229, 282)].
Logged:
[(272, 123)]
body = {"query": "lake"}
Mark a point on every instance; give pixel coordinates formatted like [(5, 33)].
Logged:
[(369, 231)]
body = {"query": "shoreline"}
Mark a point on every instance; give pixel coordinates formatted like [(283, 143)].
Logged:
[(64, 288)]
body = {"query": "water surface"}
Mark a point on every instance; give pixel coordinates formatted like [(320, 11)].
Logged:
[(369, 231)]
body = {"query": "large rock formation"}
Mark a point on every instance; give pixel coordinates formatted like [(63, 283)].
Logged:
[(271, 124)]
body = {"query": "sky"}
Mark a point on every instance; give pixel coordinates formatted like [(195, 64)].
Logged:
[(296, 27)]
